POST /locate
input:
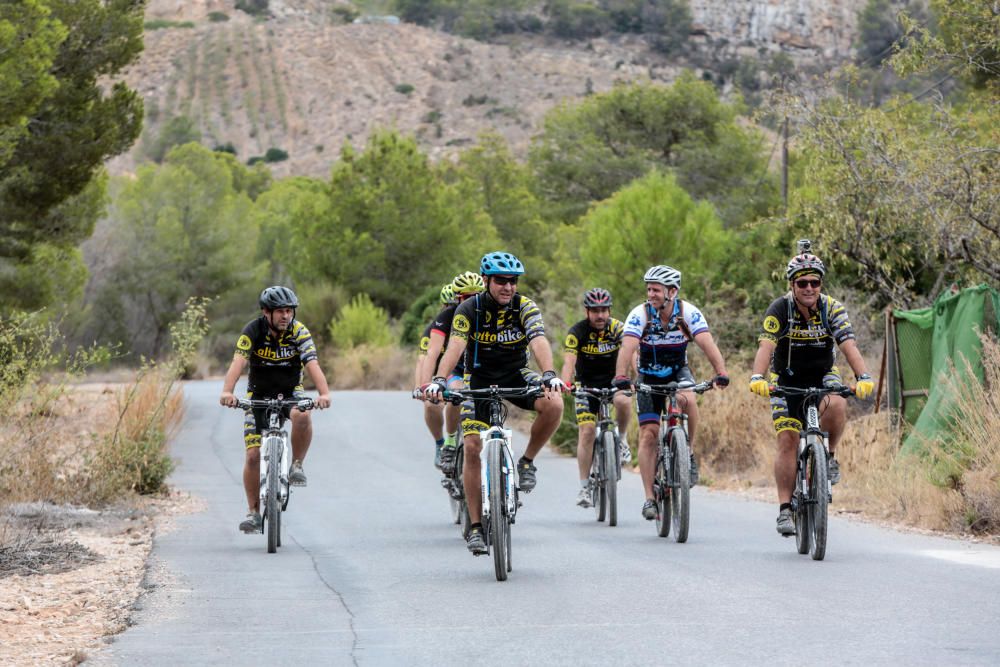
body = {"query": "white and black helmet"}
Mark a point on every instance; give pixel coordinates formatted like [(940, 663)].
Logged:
[(664, 275)]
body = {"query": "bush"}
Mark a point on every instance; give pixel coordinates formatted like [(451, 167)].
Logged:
[(404, 88), (361, 322), (175, 132), (159, 24), (345, 14), (225, 148), (275, 155), (253, 7), (218, 17)]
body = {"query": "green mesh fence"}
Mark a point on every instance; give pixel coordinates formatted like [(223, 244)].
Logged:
[(932, 342)]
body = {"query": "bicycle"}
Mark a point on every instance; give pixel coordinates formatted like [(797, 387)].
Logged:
[(606, 465), (672, 476), (275, 462), (499, 490), (813, 491)]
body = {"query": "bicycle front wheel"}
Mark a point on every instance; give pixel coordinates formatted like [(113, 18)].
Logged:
[(611, 476), (499, 529), (456, 494), (272, 508), (661, 493), (680, 490), (598, 496), (816, 474)]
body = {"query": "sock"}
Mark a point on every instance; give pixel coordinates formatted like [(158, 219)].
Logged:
[(439, 442), (784, 506), (475, 526), (527, 460), (584, 483), (449, 440)]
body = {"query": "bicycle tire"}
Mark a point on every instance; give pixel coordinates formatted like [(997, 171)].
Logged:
[(598, 496), (499, 533), (680, 492), (456, 482), (661, 494), (818, 496), (272, 508), (803, 539), (278, 519), (610, 476)]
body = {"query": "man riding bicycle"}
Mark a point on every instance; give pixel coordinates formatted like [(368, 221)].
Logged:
[(463, 286), (494, 331), (660, 330), (797, 340), (277, 348), (434, 416), (590, 352)]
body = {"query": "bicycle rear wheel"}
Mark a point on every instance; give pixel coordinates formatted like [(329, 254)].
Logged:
[(611, 476), (598, 496), (661, 493), (818, 495), (456, 488), (680, 491), (272, 508), (499, 529)]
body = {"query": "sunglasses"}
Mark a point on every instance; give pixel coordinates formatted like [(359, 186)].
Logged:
[(802, 284), (505, 280)]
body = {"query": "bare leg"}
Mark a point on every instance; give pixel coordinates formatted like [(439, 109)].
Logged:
[(302, 434), (585, 449), (549, 409), (647, 456), (472, 477), (785, 464), (251, 478), (834, 418)]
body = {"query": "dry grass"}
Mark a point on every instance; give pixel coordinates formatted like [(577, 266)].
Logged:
[(369, 367), (736, 446)]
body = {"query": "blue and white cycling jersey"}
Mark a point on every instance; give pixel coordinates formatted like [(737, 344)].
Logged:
[(663, 348)]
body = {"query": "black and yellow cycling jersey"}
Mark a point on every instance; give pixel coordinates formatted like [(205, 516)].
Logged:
[(497, 336), (596, 351), (806, 347), (441, 326), (276, 361)]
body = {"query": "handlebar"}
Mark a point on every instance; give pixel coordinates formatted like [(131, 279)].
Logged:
[(275, 403), (599, 392), (672, 388), (838, 389), (490, 393)]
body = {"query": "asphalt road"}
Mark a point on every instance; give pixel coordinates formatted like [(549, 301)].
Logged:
[(372, 572)]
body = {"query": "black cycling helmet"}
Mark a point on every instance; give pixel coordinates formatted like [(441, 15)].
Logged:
[(278, 297), (597, 298)]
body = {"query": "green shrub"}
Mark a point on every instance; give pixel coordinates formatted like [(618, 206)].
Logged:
[(159, 24), (225, 148), (253, 7), (275, 155), (345, 14), (404, 88), (432, 116), (218, 17), (361, 322), (254, 160)]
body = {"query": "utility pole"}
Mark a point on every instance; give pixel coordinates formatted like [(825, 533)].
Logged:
[(784, 163)]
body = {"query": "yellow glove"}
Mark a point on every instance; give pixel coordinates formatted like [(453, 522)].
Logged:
[(865, 387), (759, 386)]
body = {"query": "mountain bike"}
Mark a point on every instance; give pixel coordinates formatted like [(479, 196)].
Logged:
[(498, 471), (275, 461), (672, 476), (813, 491), (606, 465)]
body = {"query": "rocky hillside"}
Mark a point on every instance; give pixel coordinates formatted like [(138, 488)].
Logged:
[(305, 83)]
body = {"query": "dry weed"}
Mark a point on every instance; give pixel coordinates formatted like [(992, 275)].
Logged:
[(369, 367)]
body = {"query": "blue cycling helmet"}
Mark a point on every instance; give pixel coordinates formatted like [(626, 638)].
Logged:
[(500, 264)]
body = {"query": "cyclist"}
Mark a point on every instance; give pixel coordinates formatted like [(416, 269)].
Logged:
[(494, 331), (660, 330), (433, 416), (590, 352), (797, 341), (277, 348), (464, 286)]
